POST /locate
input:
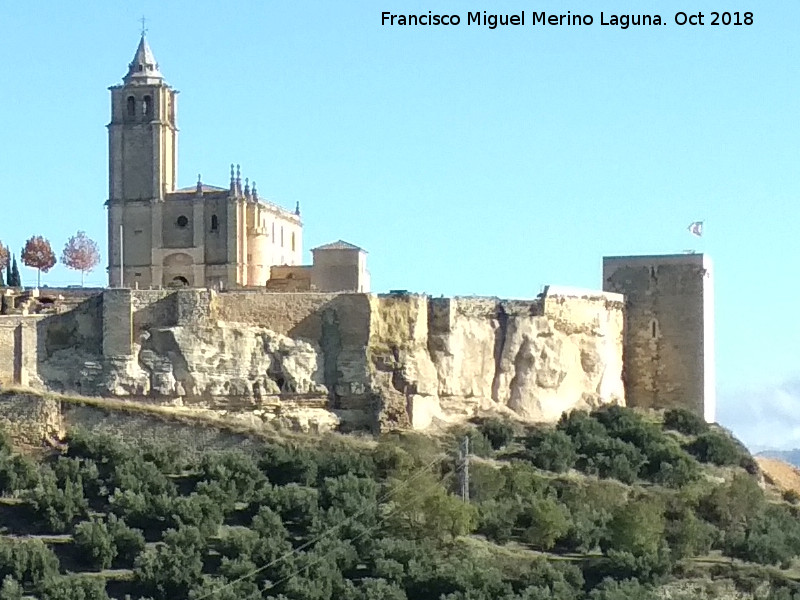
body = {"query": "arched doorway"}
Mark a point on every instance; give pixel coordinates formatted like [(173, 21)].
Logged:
[(179, 281), (178, 270)]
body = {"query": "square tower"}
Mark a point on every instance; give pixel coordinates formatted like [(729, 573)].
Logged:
[(669, 330)]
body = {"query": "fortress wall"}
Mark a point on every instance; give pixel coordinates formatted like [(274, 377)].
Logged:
[(668, 329), (583, 311), (18, 348), (80, 327), (153, 308), (294, 314), (117, 322)]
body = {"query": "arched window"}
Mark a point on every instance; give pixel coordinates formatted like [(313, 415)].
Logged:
[(147, 106), (293, 241), (131, 106), (214, 223)]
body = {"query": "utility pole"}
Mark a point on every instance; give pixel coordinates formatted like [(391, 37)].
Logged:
[(463, 469)]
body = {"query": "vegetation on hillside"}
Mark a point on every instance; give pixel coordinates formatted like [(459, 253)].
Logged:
[(607, 505)]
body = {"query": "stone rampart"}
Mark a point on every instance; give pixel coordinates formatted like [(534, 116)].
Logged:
[(377, 361), (292, 314)]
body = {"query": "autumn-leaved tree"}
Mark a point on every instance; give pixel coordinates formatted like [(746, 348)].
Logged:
[(81, 253), (3, 262), (38, 254)]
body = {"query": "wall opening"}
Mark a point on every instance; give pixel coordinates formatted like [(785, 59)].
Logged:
[(214, 223), (147, 106), (293, 241), (281, 236), (182, 221), (131, 106)]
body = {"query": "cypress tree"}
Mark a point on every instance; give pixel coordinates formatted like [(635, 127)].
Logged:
[(2, 282), (15, 274)]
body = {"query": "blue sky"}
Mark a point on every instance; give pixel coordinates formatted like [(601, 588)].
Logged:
[(465, 160)]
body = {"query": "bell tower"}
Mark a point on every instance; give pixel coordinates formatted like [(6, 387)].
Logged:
[(142, 134), (142, 168)]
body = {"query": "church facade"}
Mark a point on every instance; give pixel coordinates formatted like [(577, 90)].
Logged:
[(163, 236)]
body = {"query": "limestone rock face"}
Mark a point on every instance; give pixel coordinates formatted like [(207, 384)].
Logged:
[(382, 362), (530, 359), (198, 363)]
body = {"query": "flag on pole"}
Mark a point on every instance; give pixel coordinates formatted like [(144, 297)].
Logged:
[(696, 228)]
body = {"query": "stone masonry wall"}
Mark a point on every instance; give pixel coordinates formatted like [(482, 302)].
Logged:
[(386, 362), (18, 349), (293, 314), (669, 359)]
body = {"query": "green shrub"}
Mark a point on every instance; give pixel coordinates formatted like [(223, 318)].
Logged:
[(479, 444), (551, 450), (668, 464), (167, 572), (17, 473), (11, 589), (545, 521), (57, 507), (74, 588), (497, 519), (627, 589), (499, 432), (30, 562), (95, 544), (718, 448), (128, 542), (236, 473), (200, 511), (283, 465), (684, 421), (611, 458)]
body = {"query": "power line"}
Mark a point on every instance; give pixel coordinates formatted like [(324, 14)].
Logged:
[(322, 535), (364, 532)]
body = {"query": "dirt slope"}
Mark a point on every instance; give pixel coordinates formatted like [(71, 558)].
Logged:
[(780, 474)]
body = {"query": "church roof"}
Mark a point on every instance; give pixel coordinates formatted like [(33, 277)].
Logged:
[(338, 245), (143, 68), (205, 187)]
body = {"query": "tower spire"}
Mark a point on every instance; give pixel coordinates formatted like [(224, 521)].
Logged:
[(143, 68)]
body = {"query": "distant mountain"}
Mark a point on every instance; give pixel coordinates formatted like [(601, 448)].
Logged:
[(789, 456)]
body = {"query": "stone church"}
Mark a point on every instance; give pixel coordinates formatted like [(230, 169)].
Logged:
[(199, 236)]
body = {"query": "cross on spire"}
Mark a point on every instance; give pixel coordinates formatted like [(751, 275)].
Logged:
[(143, 21)]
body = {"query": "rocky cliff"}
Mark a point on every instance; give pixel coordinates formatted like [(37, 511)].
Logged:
[(392, 361)]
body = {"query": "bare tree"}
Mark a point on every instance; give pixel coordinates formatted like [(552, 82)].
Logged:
[(38, 254), (81, 253)]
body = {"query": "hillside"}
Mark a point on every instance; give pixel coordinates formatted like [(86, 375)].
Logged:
[(603, 506), (789, 456)]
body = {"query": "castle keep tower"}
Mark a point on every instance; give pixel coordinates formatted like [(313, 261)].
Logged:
[(669, 329), (199, 236)]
